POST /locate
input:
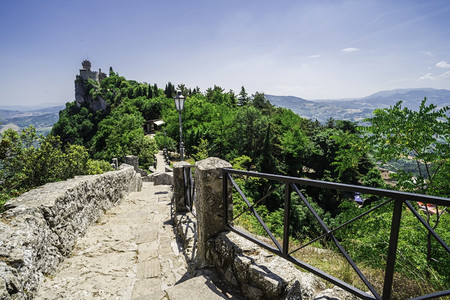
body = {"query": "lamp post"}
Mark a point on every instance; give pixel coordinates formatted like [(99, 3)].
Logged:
[(179, 105)]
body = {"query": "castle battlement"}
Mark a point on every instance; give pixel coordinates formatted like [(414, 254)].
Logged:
[(86, 72)]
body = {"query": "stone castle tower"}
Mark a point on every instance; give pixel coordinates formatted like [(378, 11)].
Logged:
[(86, 72)]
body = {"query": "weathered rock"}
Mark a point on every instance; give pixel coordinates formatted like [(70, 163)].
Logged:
[(39, 228), (163, 179), (196, 288), (336, 293), (83, 97)]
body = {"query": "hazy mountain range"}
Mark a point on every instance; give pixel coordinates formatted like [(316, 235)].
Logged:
[(360, 108), (340, 109), (21, 117)]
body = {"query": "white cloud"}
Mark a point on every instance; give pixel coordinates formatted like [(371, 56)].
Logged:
[(429, 76), (350, 50), (443, 64), (445, 75)]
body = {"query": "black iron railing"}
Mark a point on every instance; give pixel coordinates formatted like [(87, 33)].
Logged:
[(189, 189), (166, 156), (290, 183)]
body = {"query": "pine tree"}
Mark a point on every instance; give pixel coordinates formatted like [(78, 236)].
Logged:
[(267, 162), (243, 97), (169, 90), (150, 92)]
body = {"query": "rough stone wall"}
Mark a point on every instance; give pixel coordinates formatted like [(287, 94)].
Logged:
[(261, 275), (40, 227), (82, 96)]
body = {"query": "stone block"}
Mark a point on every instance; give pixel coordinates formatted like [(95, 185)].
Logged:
[(148, 269), (199, 288), (178, 186), (163, 179)]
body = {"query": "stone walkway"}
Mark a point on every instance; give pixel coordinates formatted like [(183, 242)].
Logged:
[(131, 253)]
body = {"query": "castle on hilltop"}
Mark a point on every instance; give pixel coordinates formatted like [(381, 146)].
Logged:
[(86, 72), (83, 94)]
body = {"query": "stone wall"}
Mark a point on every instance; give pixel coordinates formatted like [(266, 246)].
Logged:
[(40, 228)]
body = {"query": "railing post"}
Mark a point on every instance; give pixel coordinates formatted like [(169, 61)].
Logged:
[(132, 160), (225, 198), (178, 186), (287, 209), (209, 204), (392, 250)]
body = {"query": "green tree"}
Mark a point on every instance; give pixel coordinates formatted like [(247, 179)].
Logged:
[(243, 97), (267, 162), (169, 91), (29, 160), (201, 150), (260, 102), (155, 90), (422, 136)]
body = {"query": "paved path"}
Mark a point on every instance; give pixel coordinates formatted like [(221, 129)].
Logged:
[(160, 163), (130, 253)]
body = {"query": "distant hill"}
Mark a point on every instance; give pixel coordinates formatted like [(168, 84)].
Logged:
[(360, 108), (43, 118)]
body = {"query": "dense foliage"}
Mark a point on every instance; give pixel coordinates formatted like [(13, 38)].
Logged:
[(118, 130), (423, 138), (28, 160)]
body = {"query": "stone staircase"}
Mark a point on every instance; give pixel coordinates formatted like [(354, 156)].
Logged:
[(132, 252)]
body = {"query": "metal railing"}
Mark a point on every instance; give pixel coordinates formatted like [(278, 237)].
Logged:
[(189, 189), (398, 198), (166, 156)]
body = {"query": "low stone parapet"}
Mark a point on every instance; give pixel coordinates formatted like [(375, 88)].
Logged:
[(255, 272), (259, 274), (40, 227)]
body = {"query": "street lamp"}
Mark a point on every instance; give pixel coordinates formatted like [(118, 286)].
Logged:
[(179, 105)]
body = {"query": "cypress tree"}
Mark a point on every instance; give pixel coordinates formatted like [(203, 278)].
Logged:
[(150, 92)]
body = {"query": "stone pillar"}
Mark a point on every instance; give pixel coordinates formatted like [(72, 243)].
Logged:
[(115, 163), (209, 203), (178, 186), (132, 161)]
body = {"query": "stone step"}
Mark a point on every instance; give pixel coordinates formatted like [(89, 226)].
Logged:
[(198, 288)]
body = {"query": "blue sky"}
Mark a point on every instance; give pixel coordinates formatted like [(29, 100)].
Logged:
[(310, 49)]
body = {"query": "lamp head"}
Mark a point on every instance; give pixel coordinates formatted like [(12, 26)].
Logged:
[(179, 101)]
